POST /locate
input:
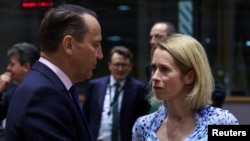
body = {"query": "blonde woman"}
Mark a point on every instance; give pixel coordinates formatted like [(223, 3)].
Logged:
[(182, 80)]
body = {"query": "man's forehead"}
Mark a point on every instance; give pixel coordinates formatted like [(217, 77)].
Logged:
[(158, 32), (160, 26), (159, 29), (14, 56)]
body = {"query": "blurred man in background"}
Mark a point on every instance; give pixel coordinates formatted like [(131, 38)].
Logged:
[(21, 57), (160, 31), (115, 101)]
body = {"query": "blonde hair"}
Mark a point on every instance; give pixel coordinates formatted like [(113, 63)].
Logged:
[(189, 54)]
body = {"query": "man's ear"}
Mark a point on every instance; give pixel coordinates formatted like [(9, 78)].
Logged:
[(26, 66), (190, 77), (67, 44)]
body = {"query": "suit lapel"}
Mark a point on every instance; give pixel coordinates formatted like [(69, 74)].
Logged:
[(102, 92), (128, 93), (40, 67)]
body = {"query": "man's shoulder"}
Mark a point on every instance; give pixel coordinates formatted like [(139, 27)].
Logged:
[(136, 81), (99, 80), (11, 90)]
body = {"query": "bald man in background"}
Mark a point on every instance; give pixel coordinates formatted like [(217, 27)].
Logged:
[(159, 31)]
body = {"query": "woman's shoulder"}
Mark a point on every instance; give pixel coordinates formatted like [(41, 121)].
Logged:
[(152, 120), (214, 115), (146, 126)]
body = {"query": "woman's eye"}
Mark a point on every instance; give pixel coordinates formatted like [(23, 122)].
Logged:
[(164, 69), (153, 67)]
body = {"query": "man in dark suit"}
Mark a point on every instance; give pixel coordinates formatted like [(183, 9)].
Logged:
[(100, 96), (44, 106), (21, 57)]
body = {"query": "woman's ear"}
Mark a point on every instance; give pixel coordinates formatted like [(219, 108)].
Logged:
[(189, 78)]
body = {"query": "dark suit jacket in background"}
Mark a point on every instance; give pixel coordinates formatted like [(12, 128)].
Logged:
[(4, 103), (42, 110), (218, 95), (133, 105)]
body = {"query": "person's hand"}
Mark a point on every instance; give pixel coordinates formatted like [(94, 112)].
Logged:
[(5, 79)]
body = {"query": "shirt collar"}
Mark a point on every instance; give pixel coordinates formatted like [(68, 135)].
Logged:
[(62, 76), (113, 81)]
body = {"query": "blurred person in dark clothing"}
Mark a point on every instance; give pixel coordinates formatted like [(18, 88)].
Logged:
[(100, 99), (219, 95), (21, 57)]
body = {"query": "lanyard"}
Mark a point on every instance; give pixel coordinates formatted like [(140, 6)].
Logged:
[(114, 98)]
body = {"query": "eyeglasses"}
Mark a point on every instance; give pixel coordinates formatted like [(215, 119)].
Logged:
[(120, 64)]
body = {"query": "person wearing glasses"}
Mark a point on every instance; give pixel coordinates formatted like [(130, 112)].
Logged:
[(99, 106)]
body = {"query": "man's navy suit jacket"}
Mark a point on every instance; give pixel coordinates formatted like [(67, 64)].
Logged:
[(134, 104), (42, 110)]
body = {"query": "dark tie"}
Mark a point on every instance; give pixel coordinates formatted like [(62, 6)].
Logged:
[(75, 96), (115, 122)]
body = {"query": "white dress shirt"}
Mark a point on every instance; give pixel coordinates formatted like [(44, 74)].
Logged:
[(106, 119)]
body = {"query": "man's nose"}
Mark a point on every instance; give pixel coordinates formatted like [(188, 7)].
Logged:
[(99, 53)]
